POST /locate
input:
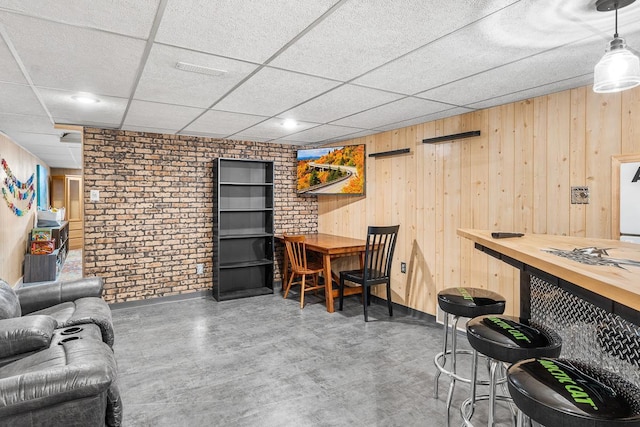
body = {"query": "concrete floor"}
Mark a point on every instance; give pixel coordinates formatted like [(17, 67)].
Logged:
[(262, 361)]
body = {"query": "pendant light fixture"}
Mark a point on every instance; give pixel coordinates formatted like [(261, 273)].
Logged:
[(619, 68)]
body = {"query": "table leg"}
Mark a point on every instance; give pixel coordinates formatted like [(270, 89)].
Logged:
[(328, 288)]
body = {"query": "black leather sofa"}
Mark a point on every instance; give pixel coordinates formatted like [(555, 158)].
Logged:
[(57, 367)]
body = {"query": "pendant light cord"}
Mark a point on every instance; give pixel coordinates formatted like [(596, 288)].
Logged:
[(616, 6)]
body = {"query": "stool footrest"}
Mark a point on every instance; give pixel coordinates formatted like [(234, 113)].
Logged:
[(441, 368), (466, 408)]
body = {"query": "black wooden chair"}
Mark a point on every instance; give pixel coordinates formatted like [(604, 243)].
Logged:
[(381, 242)]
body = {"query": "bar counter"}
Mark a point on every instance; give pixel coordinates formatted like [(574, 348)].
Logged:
[(620, 284), (586, 289)]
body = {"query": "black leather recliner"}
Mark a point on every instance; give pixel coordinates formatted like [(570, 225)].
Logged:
[(55, 369)]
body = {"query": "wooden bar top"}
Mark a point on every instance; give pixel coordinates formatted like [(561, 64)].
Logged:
[(619, 283)]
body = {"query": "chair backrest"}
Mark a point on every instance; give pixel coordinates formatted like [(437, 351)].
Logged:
[(381, 242), (296, 251)]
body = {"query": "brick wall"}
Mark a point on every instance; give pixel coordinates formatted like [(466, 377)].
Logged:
[(153, 222)]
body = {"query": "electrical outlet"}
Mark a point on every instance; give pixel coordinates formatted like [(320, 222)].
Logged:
[(199, 268), (403, 267)]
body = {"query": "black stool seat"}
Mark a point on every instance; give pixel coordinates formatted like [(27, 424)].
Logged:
[(510, 339), (470, 302), (561, 392)]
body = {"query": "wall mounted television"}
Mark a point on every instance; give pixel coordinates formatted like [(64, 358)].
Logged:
[(331, 170)]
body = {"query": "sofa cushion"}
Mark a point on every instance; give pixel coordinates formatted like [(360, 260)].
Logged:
[(21, 335), (9, 303)]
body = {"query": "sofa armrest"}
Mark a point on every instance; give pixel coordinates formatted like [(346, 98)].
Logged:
[(21, 335), (33, 298)]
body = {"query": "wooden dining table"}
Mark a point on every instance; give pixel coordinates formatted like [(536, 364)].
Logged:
[(331, 246)]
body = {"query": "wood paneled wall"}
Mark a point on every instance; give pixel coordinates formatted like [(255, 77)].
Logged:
[(14, 230), (516, 176)]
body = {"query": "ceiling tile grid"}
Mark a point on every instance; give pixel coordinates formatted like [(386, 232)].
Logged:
[(340, 68), (72, 58), (271, 91), (245, 30)]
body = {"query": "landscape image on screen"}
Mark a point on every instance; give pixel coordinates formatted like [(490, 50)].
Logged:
[(331, 170)]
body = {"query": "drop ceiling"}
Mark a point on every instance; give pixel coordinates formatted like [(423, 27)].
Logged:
[(340, 69)]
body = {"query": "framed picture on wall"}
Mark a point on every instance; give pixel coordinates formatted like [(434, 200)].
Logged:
[(42, 187)]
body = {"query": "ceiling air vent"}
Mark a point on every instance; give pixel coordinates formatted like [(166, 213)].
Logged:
[(199, 69)]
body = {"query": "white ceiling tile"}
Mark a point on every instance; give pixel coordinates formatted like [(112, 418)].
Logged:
[(39, 138), (11, 72), (392, 112), (49, 149), (351, 136), (426, 118), (534, 92), (223, 122), (564, 63), (130, 17), (363, 34), (457, 52), (107, 113), (271, 129), (249, 30), (160, 116), (340, 102), (99, 62), (486, 44), (66, 158), (321, 133), (25, 123), (28, 101), (44, 145), (271, 91), (161, 81)]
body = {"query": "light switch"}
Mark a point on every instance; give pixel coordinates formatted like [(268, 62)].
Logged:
[(94, 195)]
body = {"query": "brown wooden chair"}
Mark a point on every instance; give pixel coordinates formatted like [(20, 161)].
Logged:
[(297, 253)]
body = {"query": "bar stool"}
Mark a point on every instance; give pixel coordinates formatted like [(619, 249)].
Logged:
[(461, 302), (562, 392), (504, 339)]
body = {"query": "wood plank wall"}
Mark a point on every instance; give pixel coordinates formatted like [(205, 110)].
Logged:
[(15, 230), (515, 177)]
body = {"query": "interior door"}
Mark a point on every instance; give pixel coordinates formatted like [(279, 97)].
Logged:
[(57, 191), (73, 204)]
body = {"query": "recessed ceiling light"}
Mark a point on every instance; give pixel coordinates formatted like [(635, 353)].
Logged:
[(289, 124), (184, 66), (85, 99)]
